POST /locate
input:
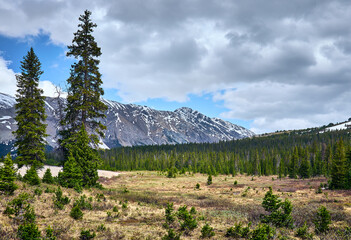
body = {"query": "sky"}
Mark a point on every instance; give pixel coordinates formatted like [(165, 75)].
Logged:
[(266, 65)]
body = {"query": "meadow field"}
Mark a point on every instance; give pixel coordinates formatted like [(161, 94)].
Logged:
[(132, 206)]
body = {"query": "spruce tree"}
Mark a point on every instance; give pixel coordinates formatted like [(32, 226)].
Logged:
[(293, 164), (339, 167), (71, 175), (84, 106), (86, 158), (304, 169), (30, 110), (47, 178), (8, 176)]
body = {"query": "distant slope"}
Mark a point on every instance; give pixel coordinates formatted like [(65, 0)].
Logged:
[(132, 125)]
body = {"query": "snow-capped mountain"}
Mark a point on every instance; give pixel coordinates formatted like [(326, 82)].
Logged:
[(131, 125)]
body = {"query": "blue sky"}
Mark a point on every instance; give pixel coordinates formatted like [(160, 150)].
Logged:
[(56, 68), (265, 65)]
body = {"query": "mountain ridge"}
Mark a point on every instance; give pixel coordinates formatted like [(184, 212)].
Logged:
[(132, 125)]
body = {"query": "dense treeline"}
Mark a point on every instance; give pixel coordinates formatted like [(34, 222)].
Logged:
[(293, 154)]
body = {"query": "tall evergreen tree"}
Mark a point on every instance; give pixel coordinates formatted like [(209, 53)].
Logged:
[(294, 164), (339, 167), (84, 106), (30, 110), (304, 169)]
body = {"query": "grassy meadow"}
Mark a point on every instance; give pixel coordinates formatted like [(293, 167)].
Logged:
[(132, 205)]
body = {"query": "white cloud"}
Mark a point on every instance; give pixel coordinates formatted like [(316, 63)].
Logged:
[(7, 78), (289, 61), (50, 89), (276, 106)]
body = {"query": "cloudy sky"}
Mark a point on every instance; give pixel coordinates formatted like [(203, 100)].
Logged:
[(266, 65)]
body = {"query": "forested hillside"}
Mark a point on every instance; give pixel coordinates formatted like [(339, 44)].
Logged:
[(295, 154)]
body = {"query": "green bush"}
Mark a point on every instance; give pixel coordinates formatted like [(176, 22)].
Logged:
[(8, 176), (76, 213), (38, 191), (235, 182), (83, 203), (49, 234), (115, 209), (207, 231), (169, 215), (47, 178), (101, 228), (31, 177), (302, 232), (172, 172), (86, 235), (263, 232), (209, 180), (28, 231), (188, 222), (238, 231), (279, 212), (60, 201), (18, 206), (197, 186), (171, 235), (322, 220)]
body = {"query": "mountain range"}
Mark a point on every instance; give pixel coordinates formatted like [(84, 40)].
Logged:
[(132, 125)]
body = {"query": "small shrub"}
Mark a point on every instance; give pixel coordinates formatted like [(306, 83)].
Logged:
[(100, 197), (197, 186), (83, 203), (18, 206), (28, 231), (322, 220), (169, 215), (115, 209), (86, 235), (188, 222), (47, 178), (171, 173), (60, 201), (124, 206), (209, 180), (49, 190), (235, 182), (101, 228), (263, 232), (49, 234), (319, 190), (171, 235), (8, 176), (76, 213), (192, 211), (38, 191), (279, 212), (31, 176), (238, 231), (207, 231), (302, 232)]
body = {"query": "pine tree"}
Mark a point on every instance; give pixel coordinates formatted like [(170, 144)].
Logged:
[(8, 176), (85, 157), (30, 110), (84, 106), (31, 176), (339, 167), (71, 175), (304, 169), (293, 164), (47, 178)]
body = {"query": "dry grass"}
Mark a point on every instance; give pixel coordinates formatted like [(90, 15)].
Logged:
[(221, 205)]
